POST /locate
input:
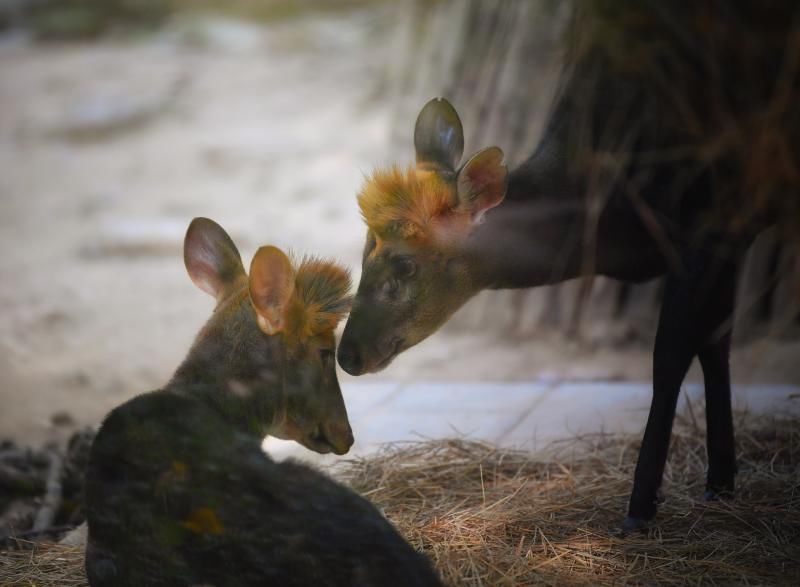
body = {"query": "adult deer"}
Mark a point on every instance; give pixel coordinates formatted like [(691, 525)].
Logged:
[(178, 490), (672, 143)]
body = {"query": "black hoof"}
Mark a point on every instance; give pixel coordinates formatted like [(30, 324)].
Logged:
[(631, 524)]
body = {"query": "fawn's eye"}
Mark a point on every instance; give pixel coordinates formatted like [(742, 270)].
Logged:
[(326, 355)]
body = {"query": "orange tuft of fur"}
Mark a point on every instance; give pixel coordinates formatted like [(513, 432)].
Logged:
[(320, 300), (403, 204)]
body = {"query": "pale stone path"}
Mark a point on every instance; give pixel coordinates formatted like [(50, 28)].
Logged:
[(526, 415)]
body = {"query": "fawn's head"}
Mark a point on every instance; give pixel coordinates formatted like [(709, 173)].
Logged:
[(269, 348), (414, 272)]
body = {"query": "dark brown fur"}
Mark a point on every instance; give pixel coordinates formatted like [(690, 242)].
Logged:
[(673, 141), (178, 490)]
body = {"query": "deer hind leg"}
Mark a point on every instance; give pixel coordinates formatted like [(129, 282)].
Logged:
[(719, 416), (695, 308)]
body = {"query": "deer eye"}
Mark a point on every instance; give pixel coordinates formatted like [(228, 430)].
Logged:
[(403, 267)]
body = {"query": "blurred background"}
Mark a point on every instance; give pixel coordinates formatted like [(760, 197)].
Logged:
[(121, 120)]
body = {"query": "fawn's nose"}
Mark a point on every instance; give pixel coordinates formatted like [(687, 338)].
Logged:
[(350, 358), (340, 438)]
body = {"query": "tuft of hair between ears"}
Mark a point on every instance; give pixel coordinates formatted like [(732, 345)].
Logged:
[(403, 203), (321, 297)]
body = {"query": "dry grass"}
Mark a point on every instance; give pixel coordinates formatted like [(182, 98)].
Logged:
[(42, 565), (489, 516)]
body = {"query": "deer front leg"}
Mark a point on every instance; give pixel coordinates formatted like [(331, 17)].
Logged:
[(672, 355)]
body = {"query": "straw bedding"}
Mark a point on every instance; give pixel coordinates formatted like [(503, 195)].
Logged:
[(491, 516)]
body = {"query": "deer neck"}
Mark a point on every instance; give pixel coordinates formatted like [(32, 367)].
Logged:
[(549, 228), (532, 238)]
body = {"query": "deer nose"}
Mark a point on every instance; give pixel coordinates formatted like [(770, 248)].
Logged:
[(350, 358)]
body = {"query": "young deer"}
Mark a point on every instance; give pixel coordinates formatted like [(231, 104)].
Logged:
[(178, 490), (439, 233)]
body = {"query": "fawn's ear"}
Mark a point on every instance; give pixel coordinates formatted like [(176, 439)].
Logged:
[(271, 287), (438, 136), (211, 258), (482, 182)]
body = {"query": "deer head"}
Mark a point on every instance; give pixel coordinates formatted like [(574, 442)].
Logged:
[(266, 356), (415, 275)]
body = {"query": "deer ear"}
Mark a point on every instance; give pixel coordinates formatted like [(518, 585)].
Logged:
[(438, 136), (211, 258), (271, 287), (481, 183)]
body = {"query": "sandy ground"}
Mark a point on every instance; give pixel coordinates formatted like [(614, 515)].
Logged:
[(107, 150)]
